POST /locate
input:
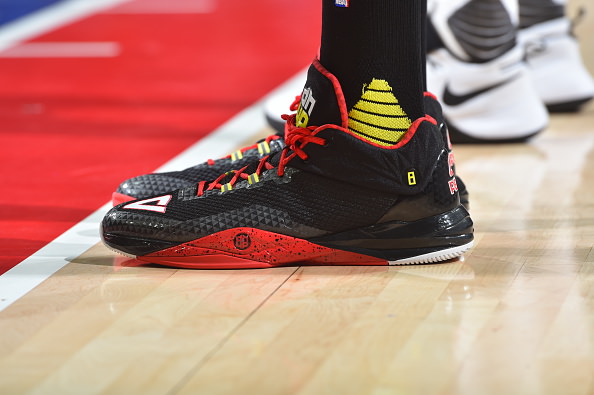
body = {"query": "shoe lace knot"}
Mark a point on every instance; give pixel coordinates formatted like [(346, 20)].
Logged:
[(296, 138)]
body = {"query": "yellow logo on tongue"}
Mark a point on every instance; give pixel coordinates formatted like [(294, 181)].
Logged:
[(377, 116)]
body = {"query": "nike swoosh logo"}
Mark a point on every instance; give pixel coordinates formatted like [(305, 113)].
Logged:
[(452, 99)]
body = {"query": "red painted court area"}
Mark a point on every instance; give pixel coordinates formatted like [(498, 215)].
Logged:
[(72, 128)]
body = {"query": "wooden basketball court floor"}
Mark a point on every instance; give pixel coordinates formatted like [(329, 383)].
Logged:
[(514, 316)]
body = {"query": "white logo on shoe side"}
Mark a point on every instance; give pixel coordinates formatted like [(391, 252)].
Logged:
[(305, 108), (159, 207)]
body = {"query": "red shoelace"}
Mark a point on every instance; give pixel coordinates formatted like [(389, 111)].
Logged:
[(296, 138)]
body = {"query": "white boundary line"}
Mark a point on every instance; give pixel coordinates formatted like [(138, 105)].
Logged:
[(31, 272), (49, 18), (168, 7), (81, 49)]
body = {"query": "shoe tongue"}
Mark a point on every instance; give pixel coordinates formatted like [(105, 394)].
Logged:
[(321, 99)]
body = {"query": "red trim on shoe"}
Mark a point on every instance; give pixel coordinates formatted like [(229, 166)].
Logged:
[(431, 95), (119, 198), (254, 248), (407, 136), (344, 113), (412, 130), (295, 105)]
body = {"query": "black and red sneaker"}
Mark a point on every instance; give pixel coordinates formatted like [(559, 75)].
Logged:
[(157, 183), (328, 198)]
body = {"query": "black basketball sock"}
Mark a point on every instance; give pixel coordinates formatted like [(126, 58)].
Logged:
[(376, 50)]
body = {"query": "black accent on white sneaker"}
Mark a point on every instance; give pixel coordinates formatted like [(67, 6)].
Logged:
[(484, 29), (459, 137), (568, 106), (533, 12), (452, 99)]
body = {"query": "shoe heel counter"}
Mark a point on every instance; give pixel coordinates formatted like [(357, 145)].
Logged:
[(439, 194), (454, 181), (443, 190)]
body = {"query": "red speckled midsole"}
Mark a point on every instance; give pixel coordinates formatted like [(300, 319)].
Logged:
[(254, 248)]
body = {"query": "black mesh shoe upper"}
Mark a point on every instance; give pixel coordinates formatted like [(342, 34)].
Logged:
[(299, 203)]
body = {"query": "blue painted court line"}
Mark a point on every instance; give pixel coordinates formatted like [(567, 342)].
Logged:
[(14, 9)]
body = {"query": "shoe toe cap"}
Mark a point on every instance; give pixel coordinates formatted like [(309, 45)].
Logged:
[(151, 184), (132, 233)]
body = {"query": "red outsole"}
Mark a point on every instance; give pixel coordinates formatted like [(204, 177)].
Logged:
[(244, 248)]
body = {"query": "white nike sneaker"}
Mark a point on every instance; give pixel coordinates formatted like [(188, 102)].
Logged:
[(493, 101), (475, 67), (556, 66)]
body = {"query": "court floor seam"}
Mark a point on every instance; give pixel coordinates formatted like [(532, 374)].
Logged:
[(198, 366)]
